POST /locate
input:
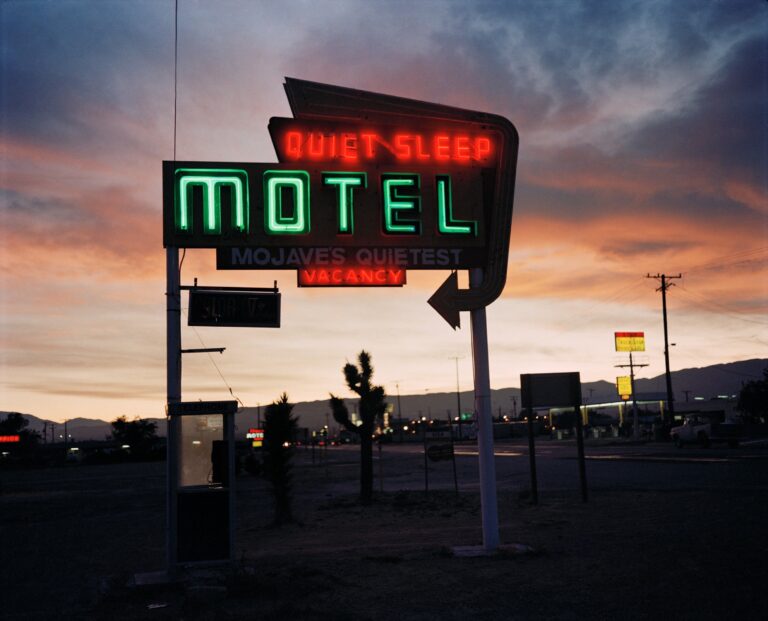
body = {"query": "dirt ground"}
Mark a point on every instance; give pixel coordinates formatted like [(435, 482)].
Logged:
[(72, 539)]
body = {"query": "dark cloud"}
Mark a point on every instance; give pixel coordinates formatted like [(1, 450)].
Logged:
[(641, 249), (560, 203), (726, 124), (60, 59), (727, 14), (716, 208), (46, 215), (580, 50)]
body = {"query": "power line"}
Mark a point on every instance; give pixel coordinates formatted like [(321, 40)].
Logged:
[(751, 255), (716, 307), (175, 70), (175, 108), (216, 366), (618, 294)]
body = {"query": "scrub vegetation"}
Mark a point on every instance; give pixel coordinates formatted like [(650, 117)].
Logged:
[(371, 408), (279, 434)]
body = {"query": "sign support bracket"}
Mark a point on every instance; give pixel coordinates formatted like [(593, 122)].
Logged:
[(204, 350), (197, 287)]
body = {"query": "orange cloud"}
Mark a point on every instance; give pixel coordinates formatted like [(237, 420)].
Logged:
[(747, 194), (555, 258)]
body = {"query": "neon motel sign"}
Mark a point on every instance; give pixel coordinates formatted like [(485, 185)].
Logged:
[(354, 200)]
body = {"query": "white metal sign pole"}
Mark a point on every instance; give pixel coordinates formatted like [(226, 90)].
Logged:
[(488, 503), (173, 393)]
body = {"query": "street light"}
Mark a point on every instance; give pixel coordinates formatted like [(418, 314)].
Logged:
[(458, 392), (400, 411)]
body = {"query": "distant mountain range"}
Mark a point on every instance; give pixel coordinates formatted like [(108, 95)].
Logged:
[(716, 381)]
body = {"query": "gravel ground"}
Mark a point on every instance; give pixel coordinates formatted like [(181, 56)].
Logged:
[(74, 537)]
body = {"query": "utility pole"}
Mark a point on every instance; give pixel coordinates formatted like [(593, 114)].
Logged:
[(635, 418), (665, 284)]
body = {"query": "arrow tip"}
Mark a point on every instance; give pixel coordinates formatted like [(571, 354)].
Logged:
[(442, 301)]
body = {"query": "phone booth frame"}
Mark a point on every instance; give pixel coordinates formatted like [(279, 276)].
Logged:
[(201, 483)]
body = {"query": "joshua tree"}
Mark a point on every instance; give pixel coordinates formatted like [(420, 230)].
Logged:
[(372, 406), (279, 434)]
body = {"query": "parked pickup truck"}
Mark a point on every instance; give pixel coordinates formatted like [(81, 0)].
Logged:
[(707, 428)]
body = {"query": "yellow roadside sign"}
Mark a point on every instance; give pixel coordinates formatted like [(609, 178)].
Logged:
[(624, 387), (630, 341)]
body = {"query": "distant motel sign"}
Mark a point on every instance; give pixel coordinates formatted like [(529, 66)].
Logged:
[(256, 436), (362, 183), (629, 341)]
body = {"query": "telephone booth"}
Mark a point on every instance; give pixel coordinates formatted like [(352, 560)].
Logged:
[(201, 482)]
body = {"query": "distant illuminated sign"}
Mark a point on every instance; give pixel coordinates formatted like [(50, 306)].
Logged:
[(350, 277), (10, 439), (256, 436), (624, 386), (630, 341), (355, 143)]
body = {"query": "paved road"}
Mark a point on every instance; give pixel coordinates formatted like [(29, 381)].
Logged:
[(609, 465)]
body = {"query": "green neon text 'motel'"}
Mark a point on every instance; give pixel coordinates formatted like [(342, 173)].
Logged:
[(287, 202)]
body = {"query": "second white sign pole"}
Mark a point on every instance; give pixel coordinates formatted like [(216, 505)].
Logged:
[(488, 502)]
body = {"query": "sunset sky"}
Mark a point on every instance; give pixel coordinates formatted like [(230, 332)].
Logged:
[(643, 148)]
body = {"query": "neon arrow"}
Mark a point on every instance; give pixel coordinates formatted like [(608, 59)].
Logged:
[(442, 301)]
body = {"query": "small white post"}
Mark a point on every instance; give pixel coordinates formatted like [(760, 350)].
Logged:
[(488, 502)]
